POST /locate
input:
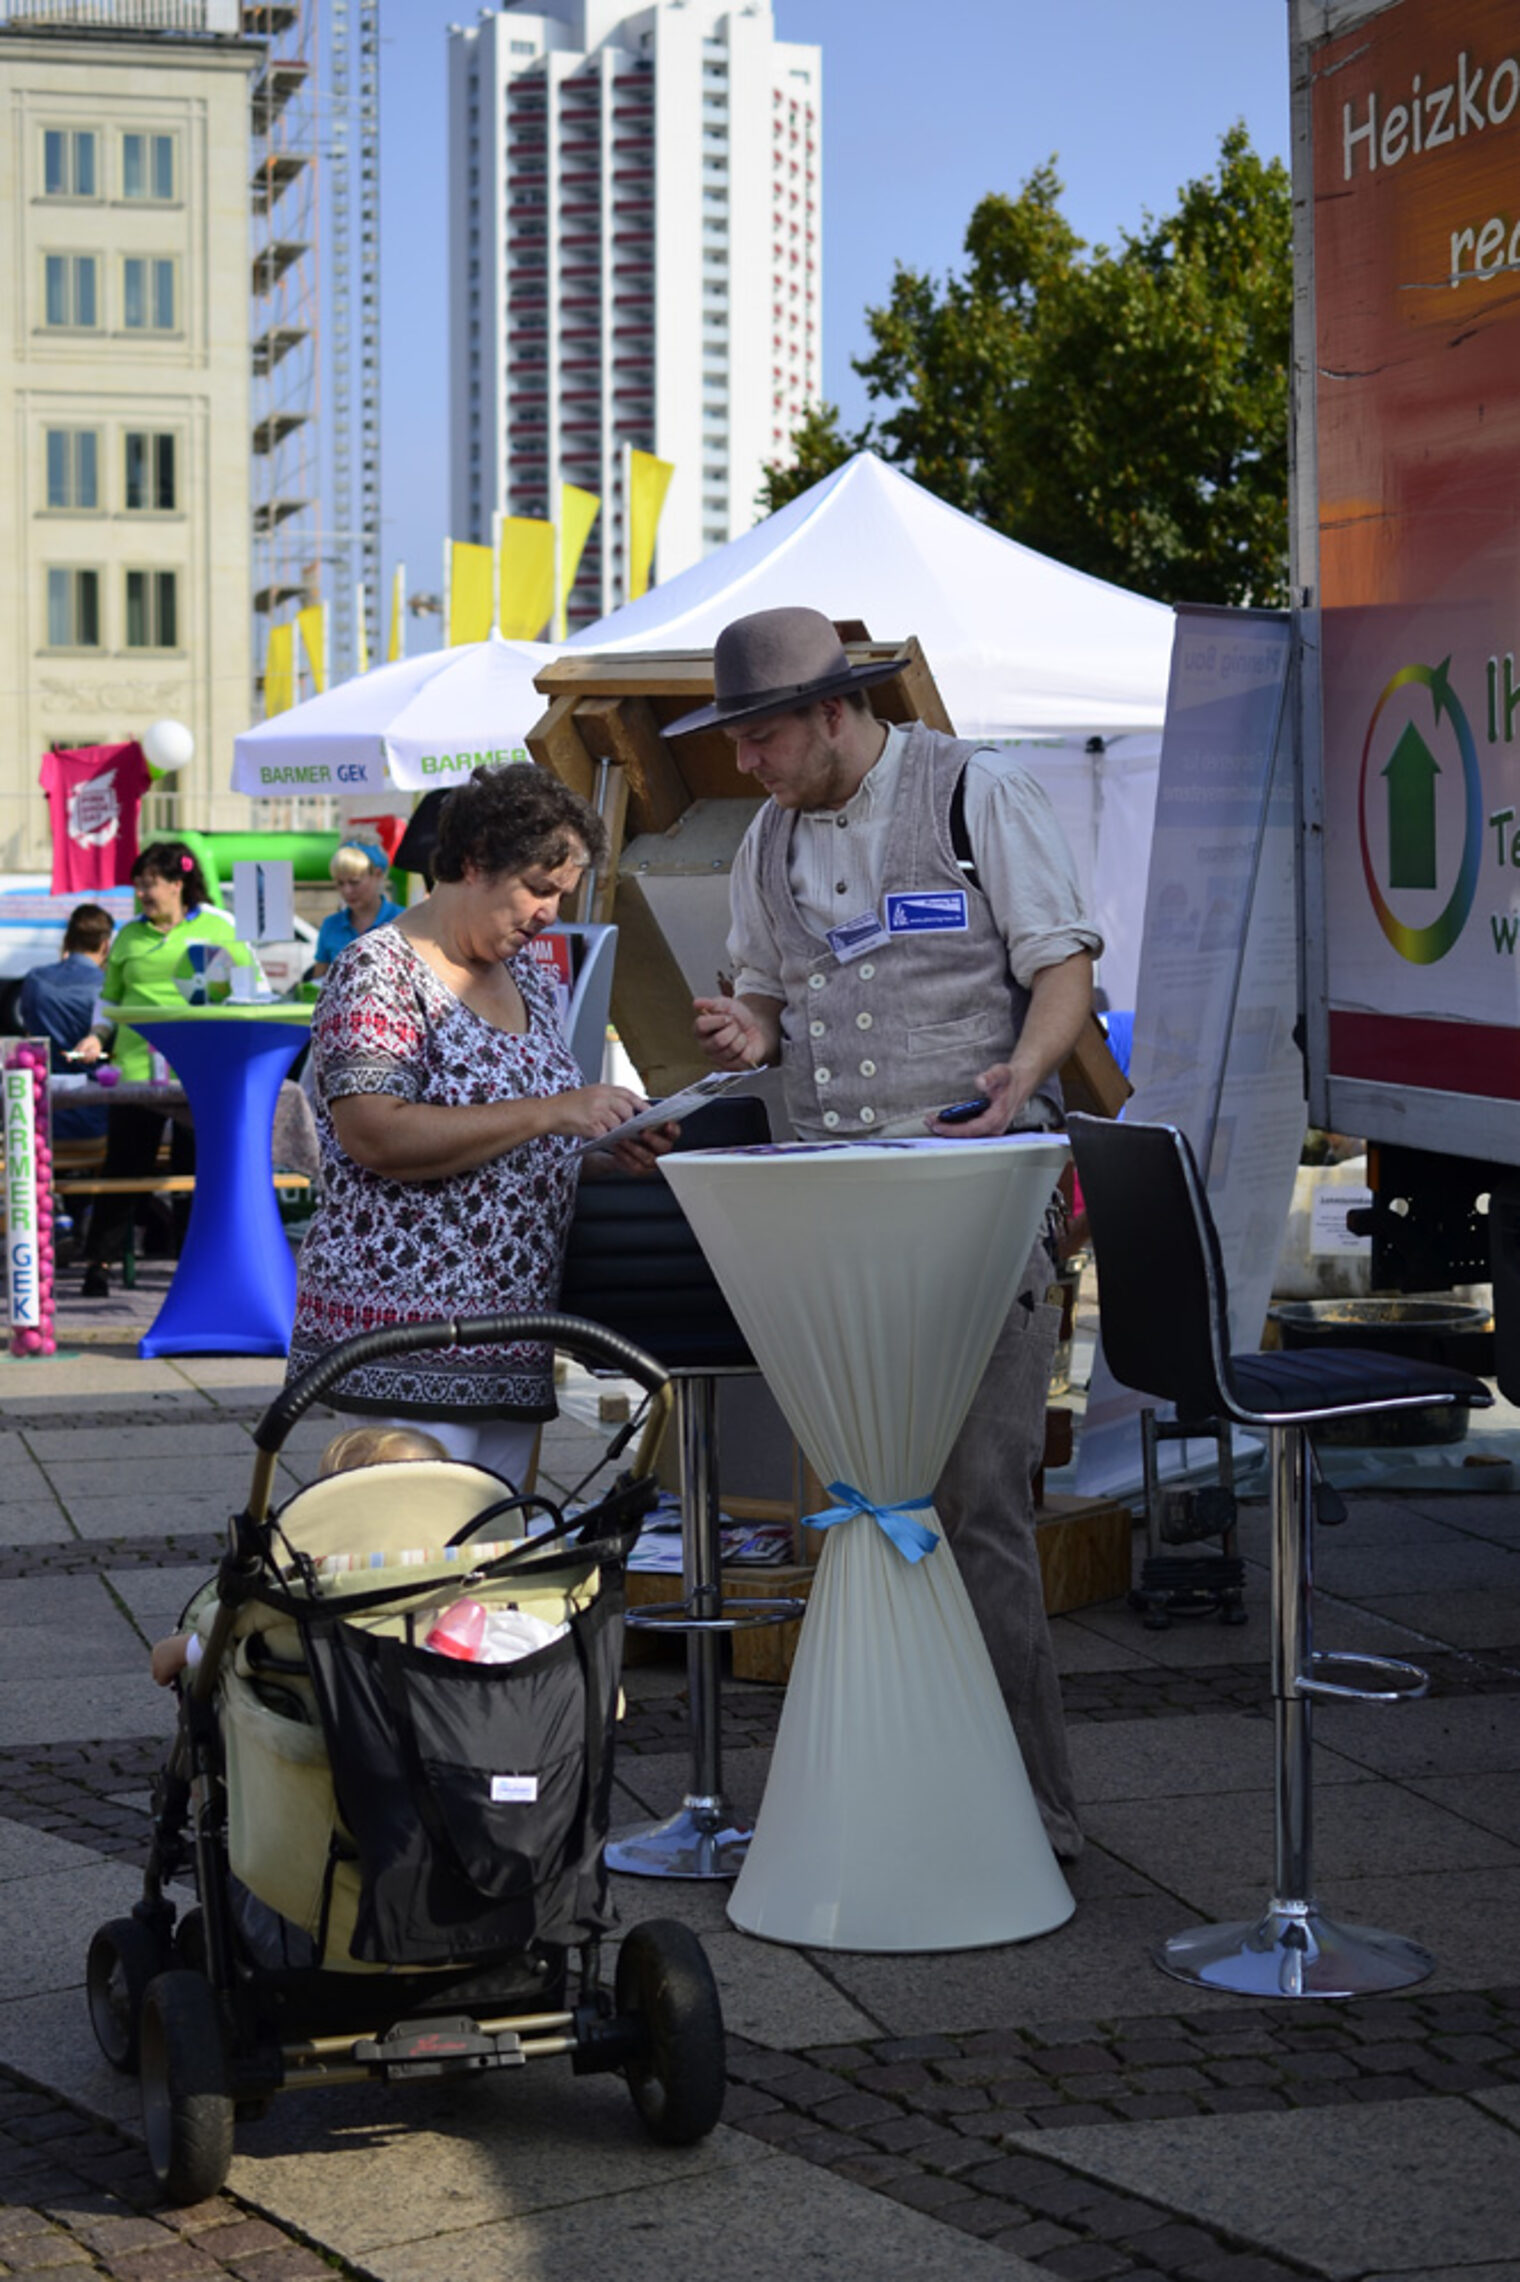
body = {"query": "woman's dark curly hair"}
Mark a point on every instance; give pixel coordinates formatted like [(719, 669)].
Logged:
[(513, 818), (172, 860)]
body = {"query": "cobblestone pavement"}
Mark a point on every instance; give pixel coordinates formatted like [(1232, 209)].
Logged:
[(76, 2198), (965, 2129), (928, 2119)]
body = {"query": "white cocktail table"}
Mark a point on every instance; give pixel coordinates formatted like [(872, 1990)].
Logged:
[(870, 1282)]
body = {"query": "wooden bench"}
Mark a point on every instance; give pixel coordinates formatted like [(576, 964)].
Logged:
[(159, 1184), (148, 1184)]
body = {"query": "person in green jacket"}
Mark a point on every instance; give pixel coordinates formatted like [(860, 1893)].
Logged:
[(149, 959)]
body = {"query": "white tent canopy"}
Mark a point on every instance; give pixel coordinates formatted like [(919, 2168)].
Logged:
[(1020, 646), (421, 722)]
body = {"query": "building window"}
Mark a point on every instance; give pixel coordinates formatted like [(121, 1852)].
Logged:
[(150, 473), (147, 295), (73, 290), (73, 601), (147, 167), (68, 163), (152, 610), (73, 459)]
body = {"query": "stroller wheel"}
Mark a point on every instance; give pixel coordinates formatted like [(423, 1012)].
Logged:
[(186, 2087), (124, 1957), (665, 1985)]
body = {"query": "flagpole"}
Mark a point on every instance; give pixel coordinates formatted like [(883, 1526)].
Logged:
[(448, 590), (627, 522), (496, 570), (361, 631)]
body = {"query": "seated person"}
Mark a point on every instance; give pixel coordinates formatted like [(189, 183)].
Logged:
[(58, 1002), (356, 1446), (359, 868)]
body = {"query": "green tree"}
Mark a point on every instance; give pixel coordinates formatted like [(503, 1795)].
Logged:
[(818, 446), (1125, 411)]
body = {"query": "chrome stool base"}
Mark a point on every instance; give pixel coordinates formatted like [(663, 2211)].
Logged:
[(1294, 1951), (702, 1839)]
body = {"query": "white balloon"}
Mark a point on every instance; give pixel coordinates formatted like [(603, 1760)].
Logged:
[(167, 744)]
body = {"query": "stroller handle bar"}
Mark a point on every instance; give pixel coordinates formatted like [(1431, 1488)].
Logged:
[(588, 1342)]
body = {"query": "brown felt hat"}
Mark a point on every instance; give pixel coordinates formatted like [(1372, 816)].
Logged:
[(773, 662)]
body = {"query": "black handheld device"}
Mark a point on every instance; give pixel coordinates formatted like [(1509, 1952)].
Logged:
[(962, 1112)]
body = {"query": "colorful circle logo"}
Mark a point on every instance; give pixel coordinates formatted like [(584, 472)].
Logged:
[(1422, 946)]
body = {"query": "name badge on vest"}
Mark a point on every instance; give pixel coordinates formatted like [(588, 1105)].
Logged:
[(942, 912), (854, 937)]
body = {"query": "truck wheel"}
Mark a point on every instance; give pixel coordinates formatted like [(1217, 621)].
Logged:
[(186, 2087), (124, 1957), (665, 1986)]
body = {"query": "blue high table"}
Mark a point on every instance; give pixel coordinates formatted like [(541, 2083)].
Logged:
[(234, 1291)]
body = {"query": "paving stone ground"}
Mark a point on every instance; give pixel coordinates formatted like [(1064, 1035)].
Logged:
[(972, 2098)]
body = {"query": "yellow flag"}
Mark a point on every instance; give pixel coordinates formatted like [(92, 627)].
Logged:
[(470, 594), (527, 577), (279, 671), (397, 647), (648, 482), (312, 622), (361, 630), (578, 510)]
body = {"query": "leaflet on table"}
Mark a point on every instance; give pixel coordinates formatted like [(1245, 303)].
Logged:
[(880, 1141), (673, 1108)]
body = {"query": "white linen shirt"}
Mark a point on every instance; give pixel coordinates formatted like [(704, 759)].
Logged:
[(1023, 864)]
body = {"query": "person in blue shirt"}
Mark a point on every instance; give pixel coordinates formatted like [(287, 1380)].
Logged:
[(58, 1003), (359, 870)]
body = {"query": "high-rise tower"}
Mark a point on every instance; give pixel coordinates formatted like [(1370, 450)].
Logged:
[(635, 257)]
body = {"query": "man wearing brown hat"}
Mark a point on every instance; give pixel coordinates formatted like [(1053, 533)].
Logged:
[(907, 934)]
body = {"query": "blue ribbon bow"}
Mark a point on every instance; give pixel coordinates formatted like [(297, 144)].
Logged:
[(911, 1538)]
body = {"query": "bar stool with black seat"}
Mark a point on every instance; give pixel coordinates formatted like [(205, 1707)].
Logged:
[(1164, 1311), (632, 1259)]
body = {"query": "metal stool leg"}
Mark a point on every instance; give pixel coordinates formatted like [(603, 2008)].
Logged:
[(703, 1839), (1294, 1950)]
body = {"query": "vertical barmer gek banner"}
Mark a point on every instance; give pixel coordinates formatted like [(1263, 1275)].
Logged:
[(28, 1195)]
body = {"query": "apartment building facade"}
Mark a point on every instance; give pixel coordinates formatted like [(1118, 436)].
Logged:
[(125, 555), (635, 258)]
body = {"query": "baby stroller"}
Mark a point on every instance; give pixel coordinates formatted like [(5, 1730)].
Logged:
[(395, 1853)]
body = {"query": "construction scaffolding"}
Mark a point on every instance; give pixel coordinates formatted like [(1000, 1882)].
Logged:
[(285, 325), (352, 537)]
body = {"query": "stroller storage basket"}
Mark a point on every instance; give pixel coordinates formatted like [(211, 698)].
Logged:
[(476, 1795)]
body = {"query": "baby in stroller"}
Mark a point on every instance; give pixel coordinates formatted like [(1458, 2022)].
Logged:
[(429, 1826), (356, 1446)]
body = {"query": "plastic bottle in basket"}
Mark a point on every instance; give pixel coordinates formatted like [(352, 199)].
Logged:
[(459, 1632)]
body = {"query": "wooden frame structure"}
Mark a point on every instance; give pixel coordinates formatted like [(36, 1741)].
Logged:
[(680, 808)]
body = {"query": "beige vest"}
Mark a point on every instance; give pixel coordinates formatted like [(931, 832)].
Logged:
[(871, 1041)]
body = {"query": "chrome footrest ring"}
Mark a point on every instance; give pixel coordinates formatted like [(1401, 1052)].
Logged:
[(1409, 1682), (737, 1616)]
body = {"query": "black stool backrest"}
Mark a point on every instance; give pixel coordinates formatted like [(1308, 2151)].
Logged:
[(633, 1264), (1161, 1284)]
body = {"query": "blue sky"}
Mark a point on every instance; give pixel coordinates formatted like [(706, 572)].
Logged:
[(1131, 95)]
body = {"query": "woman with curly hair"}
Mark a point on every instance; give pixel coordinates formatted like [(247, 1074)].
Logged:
[(452, 1117)]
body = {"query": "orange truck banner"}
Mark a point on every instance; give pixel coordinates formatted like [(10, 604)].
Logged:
[(1415, 123)]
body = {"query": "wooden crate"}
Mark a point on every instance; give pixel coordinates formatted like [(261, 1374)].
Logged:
[(1085, 1549), (603, 733), (1084, 1546)]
